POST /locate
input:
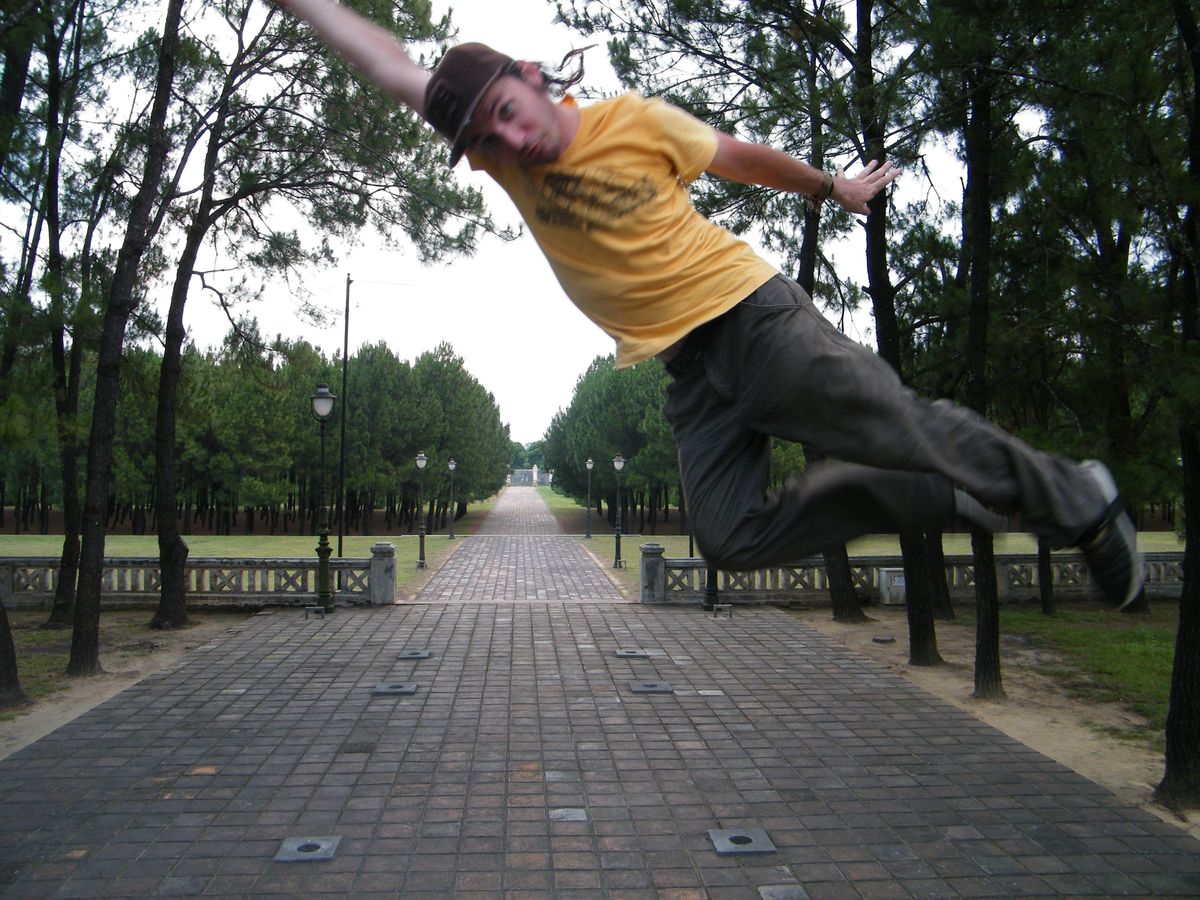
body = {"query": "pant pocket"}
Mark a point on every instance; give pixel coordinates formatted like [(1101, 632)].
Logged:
[(721, 361)]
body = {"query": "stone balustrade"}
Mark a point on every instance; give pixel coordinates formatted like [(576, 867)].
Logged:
[(365, 581), (879, 578)]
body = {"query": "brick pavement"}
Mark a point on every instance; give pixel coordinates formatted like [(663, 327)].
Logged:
[(525, 765)]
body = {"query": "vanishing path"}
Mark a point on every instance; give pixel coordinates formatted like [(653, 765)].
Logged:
[(520, 556)]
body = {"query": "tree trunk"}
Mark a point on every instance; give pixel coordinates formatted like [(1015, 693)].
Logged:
[(172, 548), (842, 596), (977, 219), (988, 683), (17, 41), (683, 513), (922, 636), (1045, 577), (85, 638), (943, 606), (10, 682), (67, 370), (1180, 786), (806, 275)]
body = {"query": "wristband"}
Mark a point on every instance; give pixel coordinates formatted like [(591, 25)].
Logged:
[(826, 189), (824, 192)]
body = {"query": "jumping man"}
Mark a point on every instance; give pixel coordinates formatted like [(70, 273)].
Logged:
[(603, 190)]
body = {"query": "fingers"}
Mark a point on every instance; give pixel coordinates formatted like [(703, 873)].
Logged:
[(874, 172), (884, 174)]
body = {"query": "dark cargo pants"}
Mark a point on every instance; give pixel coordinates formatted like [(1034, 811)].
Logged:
[(774, 366)]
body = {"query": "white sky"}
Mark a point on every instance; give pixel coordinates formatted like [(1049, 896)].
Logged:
[(501, 309)]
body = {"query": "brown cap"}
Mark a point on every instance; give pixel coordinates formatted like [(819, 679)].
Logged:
[(456, 87)]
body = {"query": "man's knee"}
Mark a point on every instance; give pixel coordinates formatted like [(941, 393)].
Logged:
[(720, 542)]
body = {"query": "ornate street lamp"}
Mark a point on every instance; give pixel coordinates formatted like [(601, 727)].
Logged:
[(618, 464), (452, 466), (322, 410), (587, 530), (422, 459)]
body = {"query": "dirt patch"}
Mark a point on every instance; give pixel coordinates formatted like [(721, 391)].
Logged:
[(1036, 710)]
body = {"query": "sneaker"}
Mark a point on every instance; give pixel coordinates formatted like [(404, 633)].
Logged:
[(973, 513), (1110, 547)]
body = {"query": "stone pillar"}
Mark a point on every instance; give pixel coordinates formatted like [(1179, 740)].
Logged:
[(381, 580), (653, 574)]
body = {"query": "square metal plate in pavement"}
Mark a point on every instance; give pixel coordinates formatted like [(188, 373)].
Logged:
[(414, 654), (395, 689), (651, 687), (740, 841), (631, 653), (308, 849)]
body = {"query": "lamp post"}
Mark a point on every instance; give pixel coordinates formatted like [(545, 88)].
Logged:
[(452, 466), (618, 464), (587, 529), (341, 497), (322, 410), (422, 459)]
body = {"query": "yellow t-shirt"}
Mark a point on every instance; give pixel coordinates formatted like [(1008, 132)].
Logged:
[(613, 217)]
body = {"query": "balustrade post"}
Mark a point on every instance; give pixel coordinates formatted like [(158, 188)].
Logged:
[(653, 573), (381, 579)]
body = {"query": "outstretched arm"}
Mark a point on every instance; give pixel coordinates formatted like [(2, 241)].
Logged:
[(759, 164), (373, 50)]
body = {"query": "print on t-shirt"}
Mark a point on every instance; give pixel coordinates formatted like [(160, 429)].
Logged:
[(596, 199)]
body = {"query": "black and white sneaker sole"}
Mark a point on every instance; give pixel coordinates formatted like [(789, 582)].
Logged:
[(1113, 540)]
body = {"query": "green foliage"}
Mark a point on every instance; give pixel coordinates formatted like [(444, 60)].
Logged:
[(458, 419), (613, 411), (246, 435)]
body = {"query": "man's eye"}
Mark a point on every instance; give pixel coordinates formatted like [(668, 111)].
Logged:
[(506, 111)]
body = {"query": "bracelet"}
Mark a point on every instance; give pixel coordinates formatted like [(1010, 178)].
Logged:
[(826, 189), (824, 192)]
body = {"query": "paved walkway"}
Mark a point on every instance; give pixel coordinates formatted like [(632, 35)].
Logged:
[(521, 556), (526, 764)]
